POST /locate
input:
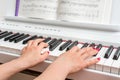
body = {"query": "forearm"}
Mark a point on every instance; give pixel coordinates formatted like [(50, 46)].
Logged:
[(11, 68), (54, 72)]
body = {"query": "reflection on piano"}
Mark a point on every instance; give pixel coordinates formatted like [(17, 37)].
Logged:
[(12, 42)]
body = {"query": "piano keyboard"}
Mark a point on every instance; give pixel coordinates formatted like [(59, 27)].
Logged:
[(15, 35), (110, 55)]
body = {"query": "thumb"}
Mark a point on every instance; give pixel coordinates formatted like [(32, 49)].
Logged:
[(91, 62), (45, 55)]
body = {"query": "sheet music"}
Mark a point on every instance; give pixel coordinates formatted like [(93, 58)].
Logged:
[(88, 11), (38, 8), (95, 11)]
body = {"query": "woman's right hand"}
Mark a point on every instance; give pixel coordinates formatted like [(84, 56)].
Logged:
[(77, 59), (69, 62)]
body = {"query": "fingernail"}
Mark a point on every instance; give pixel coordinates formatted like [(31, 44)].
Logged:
[(98, 59), (98, 49), (48, 52), (94, 48)]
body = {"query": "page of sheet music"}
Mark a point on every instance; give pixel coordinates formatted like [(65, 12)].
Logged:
[(38, 8), (90, 11)]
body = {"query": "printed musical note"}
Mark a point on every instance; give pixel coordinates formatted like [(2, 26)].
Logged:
[(38, 8), (83, 10)]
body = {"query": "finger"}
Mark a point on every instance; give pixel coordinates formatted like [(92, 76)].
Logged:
[(42, 45), (74, 49), (44, 55), (90, 62), (37, 41), (82, 51), (88, 53), (23, 50), (85, 50), (95, 51), (29, 43)]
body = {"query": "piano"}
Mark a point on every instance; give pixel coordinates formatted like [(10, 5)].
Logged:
[(13, 37)]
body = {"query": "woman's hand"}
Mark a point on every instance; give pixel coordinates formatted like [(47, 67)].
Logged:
[(31, 54), (77, 59)]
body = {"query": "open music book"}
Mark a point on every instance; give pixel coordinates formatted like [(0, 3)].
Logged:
[(88, 11)]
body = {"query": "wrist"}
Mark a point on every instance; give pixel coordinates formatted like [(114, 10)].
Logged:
[(20, 64), (50, 72), (63, 67), (65, 64)]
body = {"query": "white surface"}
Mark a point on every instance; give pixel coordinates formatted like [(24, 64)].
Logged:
[(3, 7), (116, 12)]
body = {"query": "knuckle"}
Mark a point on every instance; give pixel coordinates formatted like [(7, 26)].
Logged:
[(37, 40), (88, 54), (40, 39), (88, 64), (92, 53), (89, 49), (43, 44), (84, 49), (30, 41), (75, 48)]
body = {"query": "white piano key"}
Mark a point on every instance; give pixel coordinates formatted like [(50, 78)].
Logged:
[(92, 66), (115, 68), (80, 45), (56, 52), (99, 65), (108, 63), (11, 46)]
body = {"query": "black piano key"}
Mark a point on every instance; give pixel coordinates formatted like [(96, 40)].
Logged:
[(65, 45), (108, 52), (31, 38), (47, 39), (55, 44), (40, 37), (15, 37), (84, 45), (21, 38), (117, 54), (75, 43), (99, 47), (3, 32), (7, 38), (4, 35), (92, 45), (52, 41)]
